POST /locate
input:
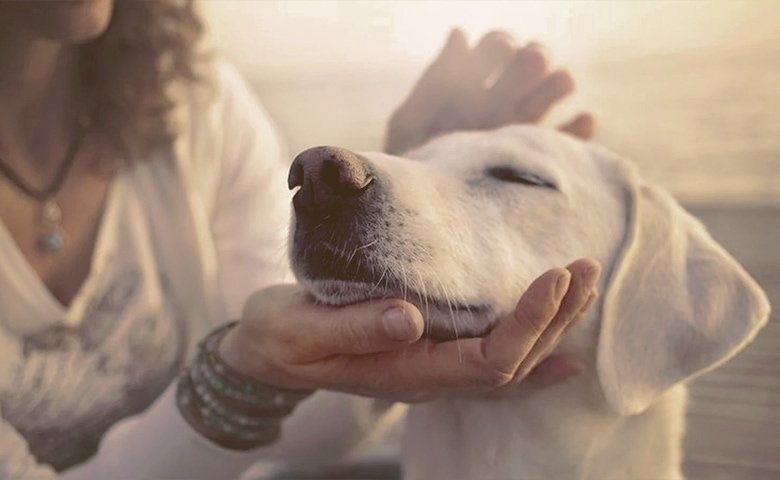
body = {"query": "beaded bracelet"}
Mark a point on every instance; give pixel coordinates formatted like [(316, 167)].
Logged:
[(225, 380), (229, 408)]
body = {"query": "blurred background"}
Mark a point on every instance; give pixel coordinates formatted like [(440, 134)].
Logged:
[(689, 90)]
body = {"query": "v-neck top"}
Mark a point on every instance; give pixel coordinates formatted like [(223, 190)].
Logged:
[(26, 302), (106, 356), (182, 242)]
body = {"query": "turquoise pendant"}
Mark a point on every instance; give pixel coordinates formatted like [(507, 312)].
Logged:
[(51, 242), (52, 239)]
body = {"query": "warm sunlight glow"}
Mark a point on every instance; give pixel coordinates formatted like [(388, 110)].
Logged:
[(687, 88), (317, 32)]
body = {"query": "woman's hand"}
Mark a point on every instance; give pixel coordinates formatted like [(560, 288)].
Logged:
[(493, 84), (374, 348)]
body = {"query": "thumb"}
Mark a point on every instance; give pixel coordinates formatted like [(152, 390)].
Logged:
[(362, 328)]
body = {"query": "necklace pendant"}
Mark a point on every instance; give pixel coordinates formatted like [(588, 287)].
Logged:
[(52, 213), (51, 242), (52, 239)]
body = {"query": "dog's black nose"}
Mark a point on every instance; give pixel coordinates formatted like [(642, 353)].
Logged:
[(328, 176)]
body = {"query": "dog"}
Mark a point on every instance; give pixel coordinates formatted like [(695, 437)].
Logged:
[(462, 224)]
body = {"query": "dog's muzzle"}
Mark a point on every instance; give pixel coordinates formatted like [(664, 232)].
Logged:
[(348, 243), (337, 207)]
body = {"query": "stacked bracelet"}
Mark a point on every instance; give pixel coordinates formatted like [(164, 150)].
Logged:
[(231, 409)]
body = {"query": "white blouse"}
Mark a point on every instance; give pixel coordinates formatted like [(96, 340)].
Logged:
[(181, 246)]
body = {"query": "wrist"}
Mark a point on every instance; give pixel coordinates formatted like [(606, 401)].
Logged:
[(229, 408), (239, 352), (234, 350)]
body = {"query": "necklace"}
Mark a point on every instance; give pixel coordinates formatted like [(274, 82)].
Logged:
[(53, 236)]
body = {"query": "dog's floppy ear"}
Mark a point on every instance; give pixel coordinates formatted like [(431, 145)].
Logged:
[(677, 303)]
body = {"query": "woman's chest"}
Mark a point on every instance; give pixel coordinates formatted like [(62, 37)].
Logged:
[(72, 371), (56, 236)]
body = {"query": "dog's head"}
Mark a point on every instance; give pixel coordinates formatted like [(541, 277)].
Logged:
[(462, 225)]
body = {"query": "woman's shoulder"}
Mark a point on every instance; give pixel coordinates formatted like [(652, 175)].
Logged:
[(222, 102), (223, 128), (221, 88)]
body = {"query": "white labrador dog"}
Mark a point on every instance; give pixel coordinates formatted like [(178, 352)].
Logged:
[(463, 224)]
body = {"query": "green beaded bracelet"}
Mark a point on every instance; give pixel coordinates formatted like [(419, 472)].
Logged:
[(231, 409)]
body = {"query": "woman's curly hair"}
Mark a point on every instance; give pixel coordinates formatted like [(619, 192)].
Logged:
[(130, 69)]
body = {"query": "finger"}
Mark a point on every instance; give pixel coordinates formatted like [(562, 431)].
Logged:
[(584, 276), (588, 303), (420, 371), (552, 370), (524, 72), (548, 306), (537, 102), (408, 125), (492, 53), (514, 336), (358, 329), (454, 55), (455, 48), (582, 126), (425, 369)]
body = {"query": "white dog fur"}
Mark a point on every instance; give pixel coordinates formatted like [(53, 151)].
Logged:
[(674, 304)]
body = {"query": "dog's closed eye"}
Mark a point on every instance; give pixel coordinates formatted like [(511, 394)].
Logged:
[(514, 175)]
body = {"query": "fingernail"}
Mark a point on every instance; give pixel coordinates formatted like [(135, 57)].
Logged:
[(591, 275), (397, 325), (562, 285)]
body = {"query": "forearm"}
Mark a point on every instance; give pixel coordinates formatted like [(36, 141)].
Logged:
[(156, 444), (16, 461), (215, 422), (160, 444)]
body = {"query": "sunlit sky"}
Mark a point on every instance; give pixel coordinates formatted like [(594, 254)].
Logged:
[(291, 34)]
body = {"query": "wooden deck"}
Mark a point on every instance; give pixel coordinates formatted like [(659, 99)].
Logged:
[(734, 417)]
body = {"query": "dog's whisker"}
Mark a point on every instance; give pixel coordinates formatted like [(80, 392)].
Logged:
[(321, 224), (378, 282), (424, 299), (358, 249), (453, 322), (280, 255), (405, 282), (369, 244)]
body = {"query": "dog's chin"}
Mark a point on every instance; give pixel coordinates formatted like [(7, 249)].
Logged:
[(444, 320)]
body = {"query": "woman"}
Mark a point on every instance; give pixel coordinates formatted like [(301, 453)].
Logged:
[(143, 205)]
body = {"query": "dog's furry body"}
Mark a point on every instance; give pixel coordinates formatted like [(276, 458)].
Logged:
[(563, 432), (464, 229)]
